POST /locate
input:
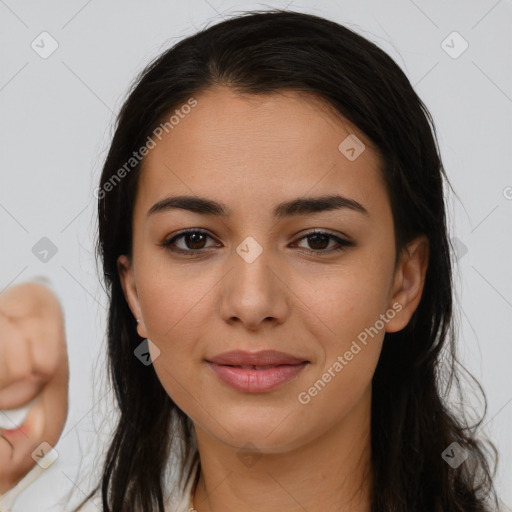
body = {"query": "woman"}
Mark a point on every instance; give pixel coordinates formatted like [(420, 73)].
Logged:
[(273, 239)]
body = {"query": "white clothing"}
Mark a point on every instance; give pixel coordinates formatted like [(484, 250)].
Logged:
[(7, 500), (183, 502)]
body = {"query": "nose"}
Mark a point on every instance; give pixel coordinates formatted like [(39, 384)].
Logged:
[(253, 293)]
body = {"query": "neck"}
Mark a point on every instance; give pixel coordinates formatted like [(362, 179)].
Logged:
[(331, 472)]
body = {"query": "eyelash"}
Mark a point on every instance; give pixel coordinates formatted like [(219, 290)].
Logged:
[(342, 244)]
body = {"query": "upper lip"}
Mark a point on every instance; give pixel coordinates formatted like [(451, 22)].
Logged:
[(261, 358)]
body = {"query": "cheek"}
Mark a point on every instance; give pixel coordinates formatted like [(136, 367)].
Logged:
[(352, 307), (171, 300), (351, 348), (344, 303), (173, 306)]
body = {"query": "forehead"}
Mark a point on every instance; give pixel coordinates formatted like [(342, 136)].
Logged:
[(250, 150)]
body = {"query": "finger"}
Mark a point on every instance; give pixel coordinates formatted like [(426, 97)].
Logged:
[(46, 341), (19, 393), (15, 356)]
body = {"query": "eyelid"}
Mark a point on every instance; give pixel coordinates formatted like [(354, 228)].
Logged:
[(320, 231)]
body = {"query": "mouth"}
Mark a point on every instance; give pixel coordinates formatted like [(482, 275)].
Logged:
[(256, 372), (256, 378)]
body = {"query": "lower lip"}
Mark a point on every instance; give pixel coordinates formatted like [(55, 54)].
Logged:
[(256, 381)]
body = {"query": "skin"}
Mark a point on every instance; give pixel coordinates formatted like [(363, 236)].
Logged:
[(252, 152), (33, 364)]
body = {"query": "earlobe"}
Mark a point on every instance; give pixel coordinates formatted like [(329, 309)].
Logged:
[(409, 282), (127, 279)]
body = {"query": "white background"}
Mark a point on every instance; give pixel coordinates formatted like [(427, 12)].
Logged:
[(56, 118)]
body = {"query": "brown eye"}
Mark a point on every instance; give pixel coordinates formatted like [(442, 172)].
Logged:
[(318, 242), (193, 241)]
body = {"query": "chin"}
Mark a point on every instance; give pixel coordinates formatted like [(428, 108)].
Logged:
[(259, 436)]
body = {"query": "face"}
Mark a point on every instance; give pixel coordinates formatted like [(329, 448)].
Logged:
[(316, 281)]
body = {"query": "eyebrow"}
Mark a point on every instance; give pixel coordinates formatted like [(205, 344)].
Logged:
[(299, 206)]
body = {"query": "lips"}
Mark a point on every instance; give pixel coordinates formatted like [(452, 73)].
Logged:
[(257, 372), (256, 360)]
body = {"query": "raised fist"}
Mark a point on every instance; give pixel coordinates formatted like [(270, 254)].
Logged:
[(34, 376)]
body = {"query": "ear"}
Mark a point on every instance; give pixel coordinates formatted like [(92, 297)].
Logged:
[(127, 278), (409, 280)]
